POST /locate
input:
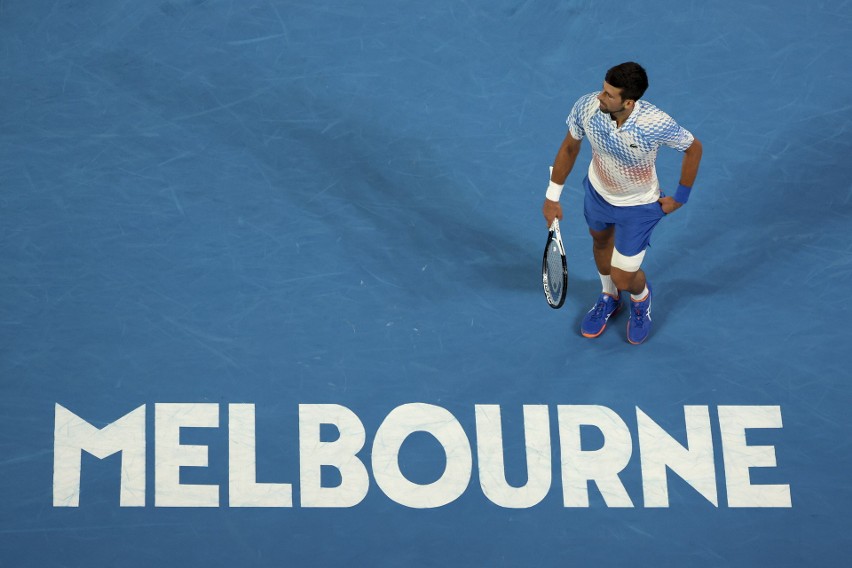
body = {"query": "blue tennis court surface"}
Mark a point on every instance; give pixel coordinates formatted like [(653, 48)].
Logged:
[(271, 288)]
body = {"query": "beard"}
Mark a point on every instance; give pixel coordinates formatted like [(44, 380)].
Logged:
[(609, 111)]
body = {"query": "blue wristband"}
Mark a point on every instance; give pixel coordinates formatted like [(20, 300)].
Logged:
[(682, 193)]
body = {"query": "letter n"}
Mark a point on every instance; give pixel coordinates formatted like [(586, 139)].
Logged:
[(72, 435)]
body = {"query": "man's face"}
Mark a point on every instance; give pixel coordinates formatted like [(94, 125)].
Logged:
[(610, 99)]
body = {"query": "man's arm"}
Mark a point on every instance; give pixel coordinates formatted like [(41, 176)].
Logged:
[(688, 173), (562, 166), (691, 159)]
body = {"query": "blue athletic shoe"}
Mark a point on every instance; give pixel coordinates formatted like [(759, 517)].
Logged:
[(594, 322), (639, 324)]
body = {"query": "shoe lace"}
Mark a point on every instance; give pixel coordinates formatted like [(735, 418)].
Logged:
[(598, 310), (638, 317)]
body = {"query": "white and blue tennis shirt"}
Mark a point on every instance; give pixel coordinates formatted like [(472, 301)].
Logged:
[(623, 159)]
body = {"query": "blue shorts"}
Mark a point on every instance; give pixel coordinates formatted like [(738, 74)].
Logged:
[(633, 224)]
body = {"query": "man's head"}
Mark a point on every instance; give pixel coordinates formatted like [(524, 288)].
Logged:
[(623, 86)]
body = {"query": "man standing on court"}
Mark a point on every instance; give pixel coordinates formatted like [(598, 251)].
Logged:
[(623, 201)]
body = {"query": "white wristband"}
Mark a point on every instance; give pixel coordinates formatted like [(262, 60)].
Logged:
[(554, 190)]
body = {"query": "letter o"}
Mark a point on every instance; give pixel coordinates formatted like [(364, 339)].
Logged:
[(439, 422)]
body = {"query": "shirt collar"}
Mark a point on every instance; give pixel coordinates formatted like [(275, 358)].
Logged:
[(631, 120)]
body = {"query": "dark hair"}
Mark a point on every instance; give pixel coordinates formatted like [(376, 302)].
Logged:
[(631, 78)]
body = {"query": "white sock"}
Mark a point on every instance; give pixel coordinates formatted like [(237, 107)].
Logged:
[(641, 296), (608, 285)]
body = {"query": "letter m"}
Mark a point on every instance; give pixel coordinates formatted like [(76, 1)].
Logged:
[(72, 435)]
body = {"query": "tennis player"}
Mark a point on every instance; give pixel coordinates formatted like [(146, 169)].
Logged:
[(623, 201)]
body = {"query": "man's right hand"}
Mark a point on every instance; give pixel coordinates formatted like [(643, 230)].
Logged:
[(552, 210)]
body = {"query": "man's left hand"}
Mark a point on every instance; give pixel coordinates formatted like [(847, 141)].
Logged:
[(669, 204)]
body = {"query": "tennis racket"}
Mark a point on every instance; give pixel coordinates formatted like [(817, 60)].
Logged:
[(554, 268)]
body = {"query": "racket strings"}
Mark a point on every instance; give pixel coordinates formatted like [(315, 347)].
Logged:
[(554, 269)]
